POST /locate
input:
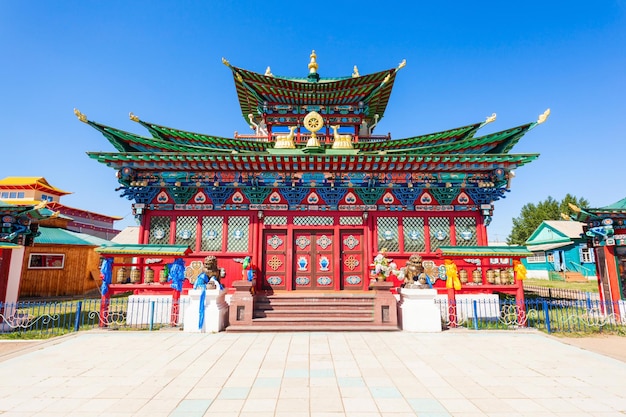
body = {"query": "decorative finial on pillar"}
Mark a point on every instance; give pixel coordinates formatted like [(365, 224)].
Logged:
[(80, 116)]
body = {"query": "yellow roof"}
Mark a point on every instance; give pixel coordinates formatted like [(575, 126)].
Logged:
[(39, 183)]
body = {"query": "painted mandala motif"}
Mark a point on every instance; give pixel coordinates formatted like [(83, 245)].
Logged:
[(274, 242), (324, 242), (302, 242), (351, 242), (324, 281), (274, 280), (303, 280), (199, 198), (351, 262), (274, 262), (353, 279), (237, 198), (388, 198), (163, 197), (158, 233)]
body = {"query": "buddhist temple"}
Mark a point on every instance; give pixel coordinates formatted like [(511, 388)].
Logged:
[(315, 193)]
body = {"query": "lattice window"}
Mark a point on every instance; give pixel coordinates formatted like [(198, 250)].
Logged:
[(238, 227), (439, 232), (388, 233), (313, 221), (414, 239), (159, 230), (186, 231), (275, 220), (465, 230), (212, 234), (350, 221)]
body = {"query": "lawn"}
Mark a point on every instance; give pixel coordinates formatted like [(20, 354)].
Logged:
[(591, 286)]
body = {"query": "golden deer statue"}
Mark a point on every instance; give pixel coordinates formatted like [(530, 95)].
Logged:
[(286, 141), (341, 141)]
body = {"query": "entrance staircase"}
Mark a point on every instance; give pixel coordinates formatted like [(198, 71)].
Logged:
[(314, 311)]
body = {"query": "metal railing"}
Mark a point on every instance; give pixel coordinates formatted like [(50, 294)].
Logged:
[(42, 319)]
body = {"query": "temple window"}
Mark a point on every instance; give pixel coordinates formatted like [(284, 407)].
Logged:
[(387, 228), (212, 235), (413, 231), (159, 230), (46, 261), (186, 231), (439, 232), (238, 232), (465, 231)]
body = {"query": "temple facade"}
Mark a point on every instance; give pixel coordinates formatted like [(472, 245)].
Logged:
[(314, 193)]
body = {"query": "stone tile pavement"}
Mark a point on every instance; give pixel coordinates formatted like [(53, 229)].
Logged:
[(354, 374)]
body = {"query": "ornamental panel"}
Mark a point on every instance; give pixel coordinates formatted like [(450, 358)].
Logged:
[(313, 221), (350, 220), (275, 221)]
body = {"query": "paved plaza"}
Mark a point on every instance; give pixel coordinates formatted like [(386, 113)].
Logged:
[(352, 374)]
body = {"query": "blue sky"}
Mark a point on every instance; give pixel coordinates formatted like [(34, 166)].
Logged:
[(465, 60)]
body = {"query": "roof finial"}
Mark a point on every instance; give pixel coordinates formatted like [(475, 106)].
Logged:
[(402, 64), (355, 72), (268, 72), (313, 63), (225, 62), (490, 119), (543, 117), (574, 207), (133, 117), (80, 116)]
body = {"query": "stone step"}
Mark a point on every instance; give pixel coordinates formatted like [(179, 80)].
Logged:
[(311, 327), (314, 314)]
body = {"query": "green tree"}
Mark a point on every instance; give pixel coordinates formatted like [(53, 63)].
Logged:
[(532, 215)]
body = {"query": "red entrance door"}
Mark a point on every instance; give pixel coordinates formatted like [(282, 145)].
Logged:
[(313, 260), (353, 268), (275, 260)]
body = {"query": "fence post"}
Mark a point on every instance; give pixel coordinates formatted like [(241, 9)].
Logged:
[(547, 314), (151, 314), (475, 305), (79, 309)]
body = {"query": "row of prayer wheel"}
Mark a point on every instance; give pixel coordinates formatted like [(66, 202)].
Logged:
[(504, 276), (123, 277)]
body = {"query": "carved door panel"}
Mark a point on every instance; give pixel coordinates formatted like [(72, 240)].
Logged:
[(313, 260), (275, 260), (353, 268)]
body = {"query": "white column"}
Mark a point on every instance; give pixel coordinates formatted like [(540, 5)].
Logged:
[(418, 311)]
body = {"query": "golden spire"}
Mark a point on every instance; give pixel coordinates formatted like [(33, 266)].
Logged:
[(543, 117), (133, 117), (402, 64), (313, 63), (225, 62), (80, 116), (355, 72), (490, 119), (268, 72)]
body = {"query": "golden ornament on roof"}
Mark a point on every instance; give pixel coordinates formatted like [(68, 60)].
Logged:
[(133, 117), (313, 64), (355, 72), (543, 117), (80, 116)]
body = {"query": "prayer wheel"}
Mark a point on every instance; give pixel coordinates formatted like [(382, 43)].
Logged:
[(121, 275), (135, 275), (148, 275)]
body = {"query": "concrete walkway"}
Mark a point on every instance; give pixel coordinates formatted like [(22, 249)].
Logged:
[(175, 374)]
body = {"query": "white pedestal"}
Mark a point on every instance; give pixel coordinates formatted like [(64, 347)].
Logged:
[(215, 312), (418, 311)]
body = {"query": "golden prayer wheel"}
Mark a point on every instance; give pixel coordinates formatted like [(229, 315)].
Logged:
[(121, 275), (163, 276), (148, 275), (463, 276), (477, 277), (497, 277), (490, 276), (135, 275)]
